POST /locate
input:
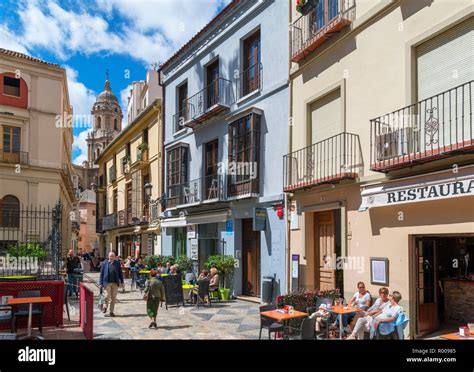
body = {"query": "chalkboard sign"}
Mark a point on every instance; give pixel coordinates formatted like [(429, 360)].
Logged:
[(173, 290)]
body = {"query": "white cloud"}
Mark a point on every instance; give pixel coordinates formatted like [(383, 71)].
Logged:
[(10, 41), (124, 93), (82, 99), (150, 30), (81, 145)]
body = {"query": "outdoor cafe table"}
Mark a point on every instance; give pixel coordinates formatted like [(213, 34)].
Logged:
[(341, 310), (30, 301), (190, 288), (456, 336), (283, 317)]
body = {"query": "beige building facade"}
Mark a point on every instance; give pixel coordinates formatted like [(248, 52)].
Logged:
[(88, 240), (36, 143), (130, 186), (380, 175)]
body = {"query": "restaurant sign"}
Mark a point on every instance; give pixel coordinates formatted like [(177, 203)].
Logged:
[(394, 193), (259, 219)]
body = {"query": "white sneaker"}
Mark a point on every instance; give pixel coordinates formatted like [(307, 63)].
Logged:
[(351, 337)]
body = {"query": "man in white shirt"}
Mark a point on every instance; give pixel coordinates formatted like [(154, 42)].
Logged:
[(374, 310)]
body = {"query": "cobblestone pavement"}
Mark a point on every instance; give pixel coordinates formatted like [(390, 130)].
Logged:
[(225, 320)]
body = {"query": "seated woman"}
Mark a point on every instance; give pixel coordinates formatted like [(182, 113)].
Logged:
[(361, 300), (173, 270), (365, 317), (388, 314), (214, 280)]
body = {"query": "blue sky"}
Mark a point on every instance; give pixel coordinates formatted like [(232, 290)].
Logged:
[(90, 36)]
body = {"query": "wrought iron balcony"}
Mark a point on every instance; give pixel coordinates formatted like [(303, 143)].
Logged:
[(250, 80), (210, 102), (202, 190), (326, 18), (109, 222), (331, 160), (13, 157), (428, 130), (240, 186)]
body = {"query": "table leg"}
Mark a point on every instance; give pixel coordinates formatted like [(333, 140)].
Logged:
[(341, 327), (30, 318)]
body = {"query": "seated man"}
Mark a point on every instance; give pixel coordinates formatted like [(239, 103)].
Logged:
[(388, 314), (365, 317)]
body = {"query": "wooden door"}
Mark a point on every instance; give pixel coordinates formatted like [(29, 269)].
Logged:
[(426, 293), (10, 145), (325, 250), (250, 259), (213, 84)]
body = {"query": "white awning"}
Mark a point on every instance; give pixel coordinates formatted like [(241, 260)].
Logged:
[(433, 186), (211, 217), (174, 222)]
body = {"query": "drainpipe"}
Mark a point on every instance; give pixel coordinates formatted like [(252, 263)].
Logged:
[(163, 100), (290, 138)]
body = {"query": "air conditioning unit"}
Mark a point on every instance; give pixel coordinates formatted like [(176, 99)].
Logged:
[(396, 143)]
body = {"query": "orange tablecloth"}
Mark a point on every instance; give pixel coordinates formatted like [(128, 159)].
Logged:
[(455, 336), (281, 317), (341, 310)]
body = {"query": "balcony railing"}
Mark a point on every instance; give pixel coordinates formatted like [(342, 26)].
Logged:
[(433, 128), (122, 218), (331, 160), (251, 80), (211, 101), (325, 19), (109, 222), (13, 157), (201, 190)]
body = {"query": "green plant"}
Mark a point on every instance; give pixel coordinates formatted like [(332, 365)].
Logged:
[(30, 249), (164, 259), (299, 5), (224, 264), (143, 146), (151, 261), (184, 263)]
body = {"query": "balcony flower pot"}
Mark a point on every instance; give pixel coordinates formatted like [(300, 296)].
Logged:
[(224, 293), (305, 6)]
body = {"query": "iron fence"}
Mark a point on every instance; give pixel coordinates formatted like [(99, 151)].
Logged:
[(209, 188), (30, 242), (332, 159), (434, 127)]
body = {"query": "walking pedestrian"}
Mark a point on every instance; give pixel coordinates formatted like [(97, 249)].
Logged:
[(154, 294), (72, 262), (111, 278)]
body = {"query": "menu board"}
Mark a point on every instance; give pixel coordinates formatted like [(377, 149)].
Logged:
[(173, 290)]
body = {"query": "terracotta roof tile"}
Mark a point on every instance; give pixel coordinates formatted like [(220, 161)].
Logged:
[(27, 57)]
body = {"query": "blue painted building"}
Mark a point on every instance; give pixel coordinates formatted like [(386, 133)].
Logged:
[(226, 131)]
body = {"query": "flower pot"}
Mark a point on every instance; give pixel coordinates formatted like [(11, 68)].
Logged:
[(307, 7), (224, 293)]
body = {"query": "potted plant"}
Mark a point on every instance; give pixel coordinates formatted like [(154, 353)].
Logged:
[(142, 151), (304, 6), (184, 263), (225, 266)]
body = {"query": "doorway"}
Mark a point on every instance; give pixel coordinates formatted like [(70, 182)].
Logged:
[(440, 262), (250, 259), (212, 84), (324, 249)]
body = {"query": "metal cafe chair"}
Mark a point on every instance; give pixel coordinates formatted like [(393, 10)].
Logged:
[(265, 322)]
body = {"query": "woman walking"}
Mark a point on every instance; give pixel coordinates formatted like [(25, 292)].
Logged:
[(154, 294)]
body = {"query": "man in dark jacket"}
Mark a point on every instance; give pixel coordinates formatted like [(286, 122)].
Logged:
[(72, 262), (111, 278)]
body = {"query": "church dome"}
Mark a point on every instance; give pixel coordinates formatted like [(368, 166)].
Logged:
[(106, 95)]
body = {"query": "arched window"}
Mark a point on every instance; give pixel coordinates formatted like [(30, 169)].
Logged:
[(9, 211), (99, 121), (115, 124)]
